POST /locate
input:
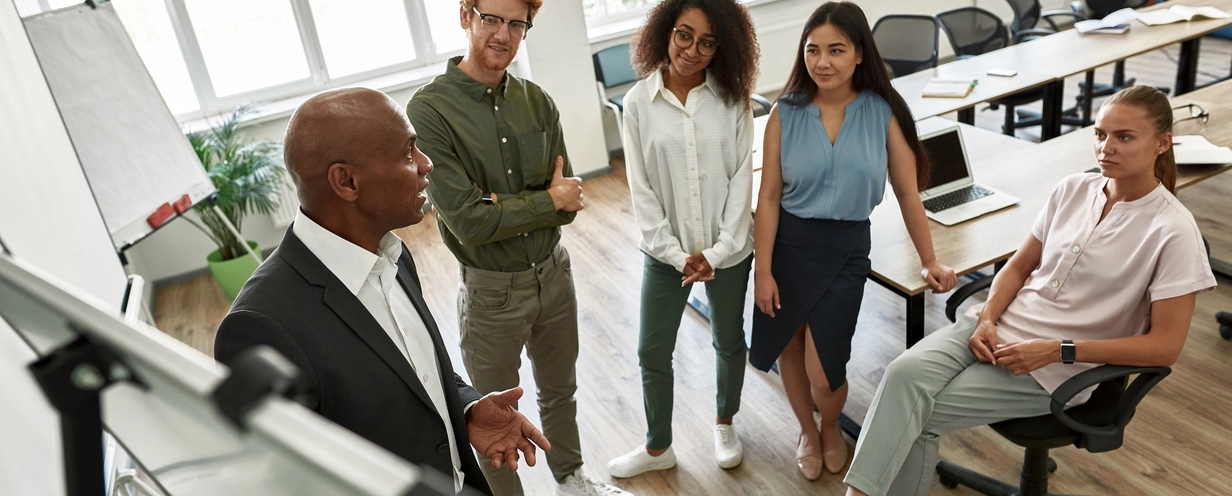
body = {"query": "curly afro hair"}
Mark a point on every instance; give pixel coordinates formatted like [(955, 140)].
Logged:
[(734, 65)]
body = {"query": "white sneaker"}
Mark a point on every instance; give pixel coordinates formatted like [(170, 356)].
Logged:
[(578, 484), (638, 461), (727, 448)]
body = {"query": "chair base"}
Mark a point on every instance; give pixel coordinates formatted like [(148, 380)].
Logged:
[(1034, 481)]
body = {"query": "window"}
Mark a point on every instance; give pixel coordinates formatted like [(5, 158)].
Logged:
[(604, 10), (207, 56)]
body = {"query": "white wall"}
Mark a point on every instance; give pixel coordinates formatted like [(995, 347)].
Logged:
[(559, 61)]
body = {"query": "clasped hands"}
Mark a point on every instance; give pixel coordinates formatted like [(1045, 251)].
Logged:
[(499, 432), (697, 269), (1019, 357)]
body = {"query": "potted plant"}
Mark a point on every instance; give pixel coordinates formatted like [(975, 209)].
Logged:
[(247, 174)]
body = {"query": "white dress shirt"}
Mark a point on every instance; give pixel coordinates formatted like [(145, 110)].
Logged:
[(374, 280), (690, 172)]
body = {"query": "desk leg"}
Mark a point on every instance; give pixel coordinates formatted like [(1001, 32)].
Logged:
[(1050, 125), (1187, 67), (967, 116), (915, 319), (1088, 99)]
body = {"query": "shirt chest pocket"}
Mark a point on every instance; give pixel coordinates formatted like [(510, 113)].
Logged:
[(533, 158)]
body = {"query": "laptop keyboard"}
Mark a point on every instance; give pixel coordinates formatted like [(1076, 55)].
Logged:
[(955, 198)]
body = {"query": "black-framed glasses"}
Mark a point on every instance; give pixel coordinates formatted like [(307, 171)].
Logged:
[(685, 40), (1195, 112), (494, 22)]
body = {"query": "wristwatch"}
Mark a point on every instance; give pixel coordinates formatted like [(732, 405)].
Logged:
[(487, 199), (1069, 352)]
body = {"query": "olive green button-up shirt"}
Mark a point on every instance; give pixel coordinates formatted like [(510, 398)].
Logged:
[(500, 140)]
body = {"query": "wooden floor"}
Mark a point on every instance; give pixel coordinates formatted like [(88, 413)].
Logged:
[(1179, 443)]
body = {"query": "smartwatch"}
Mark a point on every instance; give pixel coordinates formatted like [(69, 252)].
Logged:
[(487, 199), (1069, 352)]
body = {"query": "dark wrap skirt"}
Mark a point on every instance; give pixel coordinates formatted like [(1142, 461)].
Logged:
[(820, 266)]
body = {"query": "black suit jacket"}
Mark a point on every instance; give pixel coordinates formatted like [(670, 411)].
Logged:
[(355, 374)]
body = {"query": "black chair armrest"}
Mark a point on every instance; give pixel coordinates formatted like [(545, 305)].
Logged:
[(762, 102), (961, 294), (1073, 16), (1147, 378), (1031, 34)]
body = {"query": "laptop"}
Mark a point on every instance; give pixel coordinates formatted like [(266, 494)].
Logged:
[(952, 195)]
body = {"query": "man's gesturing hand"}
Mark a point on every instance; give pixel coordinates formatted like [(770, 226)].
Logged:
[(566, 191), (499, 432)]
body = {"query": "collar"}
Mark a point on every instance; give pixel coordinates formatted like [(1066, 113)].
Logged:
[(469, 85), (347, 261), (655, 82)]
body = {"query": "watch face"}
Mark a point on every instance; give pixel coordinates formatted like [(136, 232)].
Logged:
[(1068, 352)]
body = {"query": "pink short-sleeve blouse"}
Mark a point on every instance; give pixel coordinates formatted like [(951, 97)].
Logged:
[(1097, 279)]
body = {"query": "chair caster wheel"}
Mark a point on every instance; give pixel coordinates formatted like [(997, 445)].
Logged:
[(1052, 465), (1225, 331), (948, 482)]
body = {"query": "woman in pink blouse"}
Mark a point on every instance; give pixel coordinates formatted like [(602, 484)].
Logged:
[(1113, 265)]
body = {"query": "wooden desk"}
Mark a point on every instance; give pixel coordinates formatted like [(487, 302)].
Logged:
[(1047, 61)]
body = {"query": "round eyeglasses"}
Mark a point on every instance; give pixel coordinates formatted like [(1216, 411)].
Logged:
[(684, 41), (493, 23)]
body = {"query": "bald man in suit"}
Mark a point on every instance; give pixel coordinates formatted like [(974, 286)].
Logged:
[(341, 299)]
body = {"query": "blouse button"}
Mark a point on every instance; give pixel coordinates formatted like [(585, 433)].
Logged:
[(1077, 249), (1055, 283)]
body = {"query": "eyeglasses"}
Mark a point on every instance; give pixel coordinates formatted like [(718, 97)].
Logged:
[(685, 40), (1195, 112), (493, 23)]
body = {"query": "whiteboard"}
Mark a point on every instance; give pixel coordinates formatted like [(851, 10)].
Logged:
[(47, 215), (133, 152)]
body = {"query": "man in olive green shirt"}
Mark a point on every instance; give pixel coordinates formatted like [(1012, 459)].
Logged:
[(502, 187)]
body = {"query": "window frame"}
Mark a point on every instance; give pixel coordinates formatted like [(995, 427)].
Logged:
[(318, 79)]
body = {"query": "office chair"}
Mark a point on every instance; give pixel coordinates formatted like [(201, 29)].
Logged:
[(1096, 426), (761, 106), (1225, 324), (974, 31), (1025, 27), (614, 67), (908, 43)]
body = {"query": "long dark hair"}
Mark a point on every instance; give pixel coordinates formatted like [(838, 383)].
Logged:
[(870, 74), (734, 65), (1159, 111)]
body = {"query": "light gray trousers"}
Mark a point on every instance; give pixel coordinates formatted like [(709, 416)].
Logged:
[(933, 388)]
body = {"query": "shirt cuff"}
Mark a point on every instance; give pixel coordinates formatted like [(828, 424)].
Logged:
[(544, 208), (467, 409)]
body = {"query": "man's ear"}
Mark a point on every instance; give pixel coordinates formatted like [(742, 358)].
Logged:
[(464, 16), (341, 179)]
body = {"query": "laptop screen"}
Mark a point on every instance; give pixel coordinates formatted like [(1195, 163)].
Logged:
[(947, 162)]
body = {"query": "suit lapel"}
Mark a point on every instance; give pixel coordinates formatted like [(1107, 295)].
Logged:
[(352, 312)]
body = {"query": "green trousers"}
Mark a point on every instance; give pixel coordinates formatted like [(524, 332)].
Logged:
[(663, 302)]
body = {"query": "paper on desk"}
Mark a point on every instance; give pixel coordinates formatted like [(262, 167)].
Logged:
[(1178, 13), (1196, 149), (1114, 23), (949, 88)]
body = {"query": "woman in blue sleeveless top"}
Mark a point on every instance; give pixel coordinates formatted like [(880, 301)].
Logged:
[(834, 136)]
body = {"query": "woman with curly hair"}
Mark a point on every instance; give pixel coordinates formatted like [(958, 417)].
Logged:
[(834, 136), (688, 132)]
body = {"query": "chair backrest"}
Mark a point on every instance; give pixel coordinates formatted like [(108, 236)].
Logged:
[(973, 31), (1100, 8), (614, 66), (1026, 14), (908, 43)]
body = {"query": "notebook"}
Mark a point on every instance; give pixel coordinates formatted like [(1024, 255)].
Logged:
[(1114, 23), (952, 195), (949, 88), (1178, 13)]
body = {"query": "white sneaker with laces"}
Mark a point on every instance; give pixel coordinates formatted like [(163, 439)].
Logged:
[(727, 448), (638, 461), (578, 484)]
